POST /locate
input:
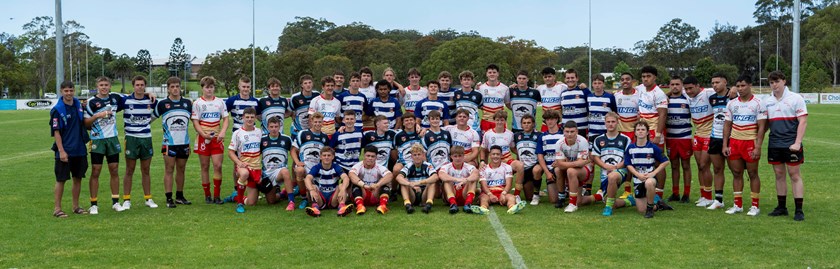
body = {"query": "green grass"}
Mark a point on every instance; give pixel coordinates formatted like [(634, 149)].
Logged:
[(267, 236)]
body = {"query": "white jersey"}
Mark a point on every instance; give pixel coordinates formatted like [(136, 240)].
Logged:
[(463, 172), (496, 177), (330, 108), (369, 175), (649, 103), (247, 147), (627, 108), (468, 139), (369, 92), (573, 152), (551, 96), (701, 112), (412, 97), (503, 140), (209, 113), (494, 99)]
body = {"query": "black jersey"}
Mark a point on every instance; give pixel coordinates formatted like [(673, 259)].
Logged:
[(383, 143), (437, 147), (175, 120), (403, 142)]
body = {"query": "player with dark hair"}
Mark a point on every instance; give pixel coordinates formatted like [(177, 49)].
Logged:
[(347, 142), (68, 130), (306, 150), (436, 142), (384, 105), (465, 136), (496, 96), (718, 104), (523, 101), (528, 146), (469, 99), (496, 182), (746, 117), (653, 109), (458, 177), (431, 103), (244, 151), (371, 183), (608, 153), (174, 113), (328, 105), (573, 166), (413, 93), (275, 148), (327, 185), (100, 116), (678, 140), (702, 117), (641, 158), (210, 119), (355, 101), (550, 93), (137, 116)]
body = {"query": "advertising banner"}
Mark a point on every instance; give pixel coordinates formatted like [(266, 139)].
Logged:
[(8, 105), (830, 98), (811, 97), (35, 104)]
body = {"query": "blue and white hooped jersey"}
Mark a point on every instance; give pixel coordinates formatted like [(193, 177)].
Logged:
[(575, 106), (643, 158), (137, 115), (103, 127), (353, 102), (425, 106), (348, 148), (448, 97), (390, 108), (269, 108), (678, 123), (549, 145), (175, 120), (599, 106), (326, 179), (236, 106)]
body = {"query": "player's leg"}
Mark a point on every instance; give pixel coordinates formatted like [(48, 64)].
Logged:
[(429, 196), (528, 184), (252, 195), (180, 174), (755, 187), (737, 168), (798, 189), (407, 193), (128, 177), (686, 173), (204, 160), (113, 172), (62, 174), (217, 177), (572, 176), (676, 164), (584, 197), (650, 186), (561, 187), (168, 171), (704, 176), (718, 166), (96, 160), (518, 176)]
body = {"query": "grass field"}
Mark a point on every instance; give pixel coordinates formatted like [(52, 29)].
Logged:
[(203, 235)]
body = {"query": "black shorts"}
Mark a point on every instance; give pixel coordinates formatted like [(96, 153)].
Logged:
[(639, 190), (265, 186), (177, 151), (785, 156), (528, 175), (715, 146), (418, 195), (75, 166), (96, 158)]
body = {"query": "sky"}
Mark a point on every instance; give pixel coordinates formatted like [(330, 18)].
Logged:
[(213, 25)]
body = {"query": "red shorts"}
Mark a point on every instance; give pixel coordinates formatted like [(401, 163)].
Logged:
[(460, 199), (497, 192), (741, 149), (700, 144), (215, 146), (631, 135), (652, 135), (678, 148), (368, 199), (254, 177), (487, 125)]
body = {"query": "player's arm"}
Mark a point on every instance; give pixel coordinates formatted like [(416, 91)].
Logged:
[(345, 181), (62, 155), (727, 131), (508, 183), (310, 187), (225, 120), (600, 163), (800, 132), (549, 175), (484, 188), (199, 130), (89, 121), (386, 179), (660, 125), (429, 180), (759, 139), (473, 177), (401, 178), (237, 163), (635, 172), (295, 157), (470, 157), (355, 180)]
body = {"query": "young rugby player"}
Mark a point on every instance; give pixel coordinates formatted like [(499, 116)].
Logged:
[(546, 157), (210, 119), (464, 136), (272, 106), (458, 176), (100, 116), (702, 118), (347, 142), (528, 146), (244, 151), (306, 150), (746, 117), (436, 142), (523, 100), (386, 106), (174, 113), (608, 152), (68, 130), (137, 116), (354, 101), (550, 93), (495, 184), (573, 165), (718, 104), (431, 103), (371, 183), (327, 185), (447, 95), (641, 158), (417, 181), (653, 109), (678, 140), (413, 93), (496, 97), (328, 105), (299, 105), (275, 148), (468, 99)]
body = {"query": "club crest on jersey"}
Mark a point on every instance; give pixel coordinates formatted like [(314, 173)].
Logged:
[(300, 101), (308, 137), (268, 103), (457, 96), (432, 139), (682, 106), (97, 104), (403, 138), (619, 101), (167, 106), (604, 105), (265, 143), (372, 138), (55, 123), (602, 143), (650, 156), (515, 93)]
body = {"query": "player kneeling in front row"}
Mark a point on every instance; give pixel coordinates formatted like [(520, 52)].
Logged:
[(458, 176), (641, 159), (496, 181), (417, 181), (608, 153), (327, 183), (572, 164), (244, 151), (371, 183), (275, 148)]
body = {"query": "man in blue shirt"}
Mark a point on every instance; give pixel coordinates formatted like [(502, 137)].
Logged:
[(67, 128)]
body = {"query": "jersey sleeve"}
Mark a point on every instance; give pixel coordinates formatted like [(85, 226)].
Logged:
[(315, 170), (484, 141), (559, 154), (382, 170), (418, 110), (234, 142), (628, 160), (297, 141), (508, 172), (476, 140), (539, 148), (55, 124), (405, 169), (338, 170), (313, 106), (613, 106), (229, 104), (88, 109), (445, 115), (196, 112), (225, 112), (800, 108), (659, 155), (333, 140), (762, 111), (661, 100), (430, 170), (397, 109), (727, 113), (596, 150)]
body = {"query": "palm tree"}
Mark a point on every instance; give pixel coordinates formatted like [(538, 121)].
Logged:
[(122, 67)]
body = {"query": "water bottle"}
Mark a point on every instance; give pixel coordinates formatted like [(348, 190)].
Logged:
[(207, 141), (109, 108)]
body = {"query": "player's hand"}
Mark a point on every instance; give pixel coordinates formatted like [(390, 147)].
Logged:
[(299, 164), (796, 147), (582, 86), (481, 165), (494, 199), (658, 138), (151, 96), (243, 165), (422, 132), (220, 138), (62, 155), (103, 114), (341, 130), (549, 176), (726, 151), (368, 187), (755, 154), (206, 136)]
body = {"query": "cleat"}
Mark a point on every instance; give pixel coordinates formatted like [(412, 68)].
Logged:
[(360, 210), (535, 200), (703, 202), (345, 210), (543, 192), (649, 213), (624, 195), (607, 211), (518, 199), (778, 212), (715, 205), (685, 199), (754, 211), (117, 207), (467, 209), (516, 208), (231, 198), (734, 209), (182, 201), (312, 211), (240, 208), (208, 200), (480, 210), (170, 203), (560, 203), (674, 198), (798, 215), (599, 196), (663, 206), (409, 209), (291, 206), (303, 204), (218, 201), (94, 210), (126, 205), (427, 208), (151, 203), (453, 208), (382, 209), (570, 208)]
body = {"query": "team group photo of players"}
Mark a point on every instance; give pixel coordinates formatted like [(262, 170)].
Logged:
[(357, 144)]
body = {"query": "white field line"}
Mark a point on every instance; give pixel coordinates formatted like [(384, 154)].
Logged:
[(23, 156), (822, 142), (515, 259)]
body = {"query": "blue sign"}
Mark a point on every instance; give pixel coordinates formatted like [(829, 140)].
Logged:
[(8, 105)]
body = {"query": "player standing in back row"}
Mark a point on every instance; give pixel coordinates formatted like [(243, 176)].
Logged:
[(550, 93), (210, 119), (174, 113), (496, 96), (468, 99), (746, 117), (101, 117), (523, 101), (678, 140), (653, 109), (137, 117)]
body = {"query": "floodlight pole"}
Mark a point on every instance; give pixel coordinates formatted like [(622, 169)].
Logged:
[(759, 60), (590, 44), (59, 45), (794, 83), (253, 42)]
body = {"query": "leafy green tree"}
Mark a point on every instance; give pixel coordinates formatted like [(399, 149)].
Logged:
[(469, 53), (824, 27), (814, 78), (304, 31), (675, 46), (581, 65), (328, 64), (143, 61), (122, 67)]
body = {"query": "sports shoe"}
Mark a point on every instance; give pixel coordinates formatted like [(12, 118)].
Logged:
[(218, 201), (170, 203), (599, 195), (240, 208), (543, 192), (453, 208), (231, 198), (427, 208), (649, 213), (518, 199), (291, 206), (570, 208), (607, 211), (754, 211), (778, 212), (409, 209), (715, 205), (798, 215), (345, 210), (382, 209), (663, 206), (701, 199), (151, 203), (126, 205), (303, 204), (703, 202), (535, 200), (208, 200), (182, 201), (312, 211), (674, 198), (516, 208), (117, 207), (685, 199), (560, 203), (93, 210), (467, 209), (480, 210), (360, 209), (734, 209)]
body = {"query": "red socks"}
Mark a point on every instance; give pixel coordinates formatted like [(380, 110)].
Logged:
[(217, 187), (451, 200), (383, 199), (206, 187), (573, 198), (358, 201), (675, 190), (687, 190), (240, 194), (754, 196)]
